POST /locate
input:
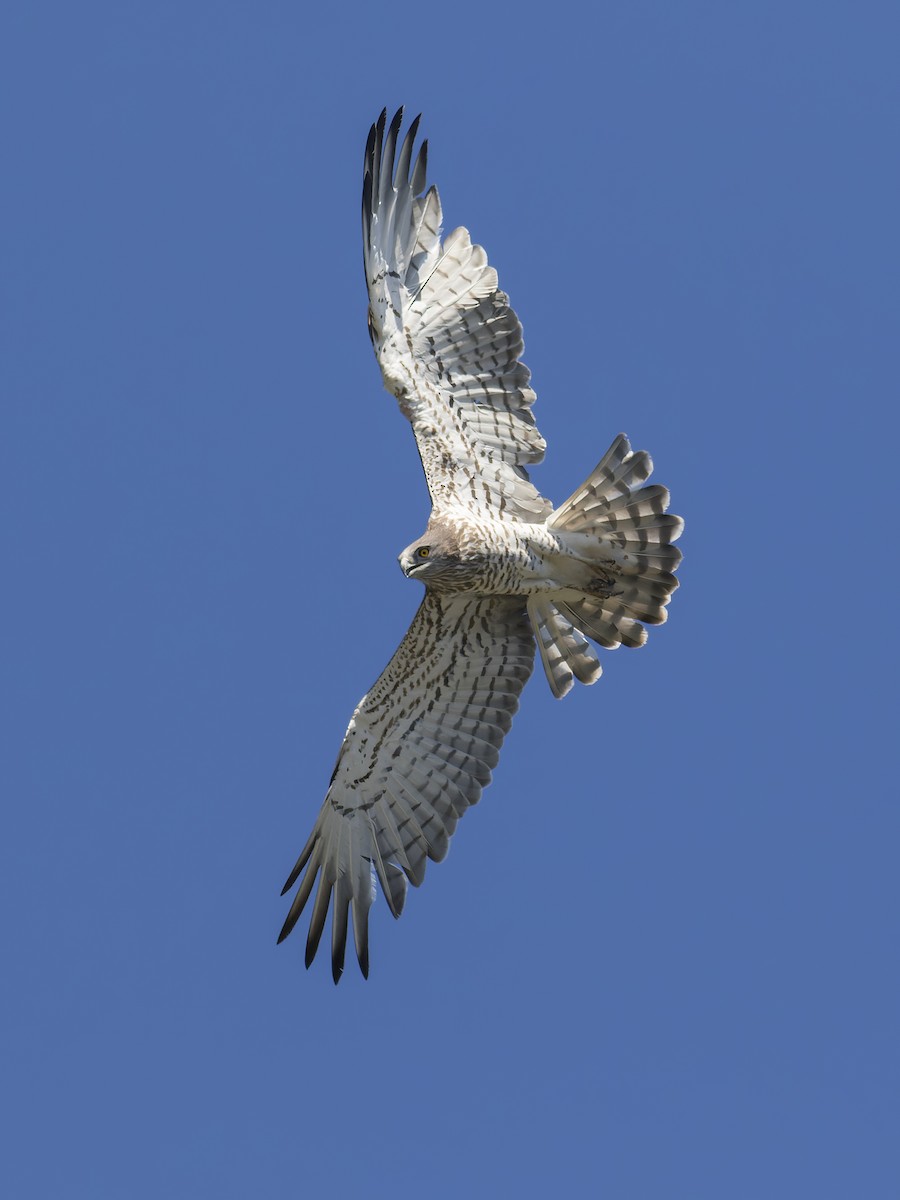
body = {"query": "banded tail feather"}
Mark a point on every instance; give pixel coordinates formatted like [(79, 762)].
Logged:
[(617, 524)]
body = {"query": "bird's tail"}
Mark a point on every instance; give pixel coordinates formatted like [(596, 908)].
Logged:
[(620, 534)]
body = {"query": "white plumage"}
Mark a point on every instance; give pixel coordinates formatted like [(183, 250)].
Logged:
[(502, 570)]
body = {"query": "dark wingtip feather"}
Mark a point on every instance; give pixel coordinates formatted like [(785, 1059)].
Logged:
[(376, 151), (305, 855), (402, 177), (297, 906), (379, 133), (337, 958), (420, 170), (317, 920), (367, 206), (294, 875), (339, 916), (386, 173), (370, 147), (360, 911)]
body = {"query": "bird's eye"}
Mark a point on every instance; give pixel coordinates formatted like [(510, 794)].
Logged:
[(423, 552)]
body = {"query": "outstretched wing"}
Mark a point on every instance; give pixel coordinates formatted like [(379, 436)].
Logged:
[(418, 751), (446, 340)]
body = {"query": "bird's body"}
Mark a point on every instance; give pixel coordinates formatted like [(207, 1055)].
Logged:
[(503, 570), (482, 556), (488, 557)]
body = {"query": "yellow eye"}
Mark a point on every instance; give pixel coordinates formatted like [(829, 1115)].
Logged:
[(423, 552)]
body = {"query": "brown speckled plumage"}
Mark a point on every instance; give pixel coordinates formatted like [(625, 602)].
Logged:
[(502, 570)]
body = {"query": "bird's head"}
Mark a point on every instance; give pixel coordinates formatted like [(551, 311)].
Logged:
[(435, 559), (418, 560)]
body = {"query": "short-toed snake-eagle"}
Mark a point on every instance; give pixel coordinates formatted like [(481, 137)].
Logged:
[(503, 570)]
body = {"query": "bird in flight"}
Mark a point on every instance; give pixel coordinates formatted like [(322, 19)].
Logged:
[(504, 571)]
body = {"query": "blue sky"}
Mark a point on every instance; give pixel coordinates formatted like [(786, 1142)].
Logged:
[(661, 958)]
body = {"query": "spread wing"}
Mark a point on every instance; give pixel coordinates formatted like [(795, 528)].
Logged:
[(446, 340), (419, 749)]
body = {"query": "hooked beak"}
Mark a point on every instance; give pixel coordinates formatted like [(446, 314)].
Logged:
[(409, 566)]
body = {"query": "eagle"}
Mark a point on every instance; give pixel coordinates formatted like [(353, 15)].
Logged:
[(504, 571)]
